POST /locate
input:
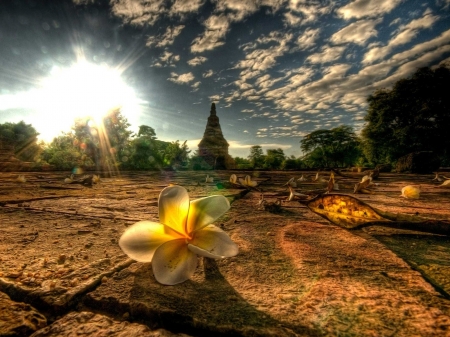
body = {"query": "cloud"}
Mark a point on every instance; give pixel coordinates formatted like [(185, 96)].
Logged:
[(166, 59), (239, 8), (328, 54), (197, 61), (357, 32), (308, 38), (301, 12), (208, 73), (260, 60), (405, 35), (214, 98), (195, 86), (182, 78), (181, 7), (225, 13), (138, 13), (367, 8), (165, 39), (216, 29)]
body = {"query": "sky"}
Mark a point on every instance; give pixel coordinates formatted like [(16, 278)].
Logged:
[(276, 69)]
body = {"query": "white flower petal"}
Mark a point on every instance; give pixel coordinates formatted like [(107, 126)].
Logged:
[(174, 208), (213, 242), (173, 262), (141, 240), (205, 211)]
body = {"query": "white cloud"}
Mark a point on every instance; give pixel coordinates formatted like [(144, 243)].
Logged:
[(181, 7), (208, 73), (182, 78), (216, 29), (405, 34), (197, 61), (215, 98), (308, 38), (225, 13), (367, 8), (166, 59), (165, 39), (357, 32), (327, 54), (302, 12), (138, 12)]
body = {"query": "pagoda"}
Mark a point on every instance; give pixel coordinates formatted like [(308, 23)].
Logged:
[(213, 147)]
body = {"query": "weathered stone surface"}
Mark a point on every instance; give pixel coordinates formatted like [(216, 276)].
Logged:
[(295, 274), (91, 324), (18, 319), (418, 162)]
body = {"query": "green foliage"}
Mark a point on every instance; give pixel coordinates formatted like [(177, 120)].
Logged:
[(337, 147), (23, 138), (176, 155), (412, 116), (292, 163), (274, 158), (64, 153), (198, 163), (242, 163), (256, 157)]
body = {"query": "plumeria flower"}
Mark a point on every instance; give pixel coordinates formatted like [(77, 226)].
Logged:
[(294, 194), (437, 177), (302, 178), (184, 232), (69, 180), (95, 179), (247, 181), (21, 179), (446, 183), (209, 179), (291, 183), (411, 192), (233, 179)]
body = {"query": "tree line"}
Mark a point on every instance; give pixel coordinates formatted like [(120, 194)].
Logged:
[(412, 116)]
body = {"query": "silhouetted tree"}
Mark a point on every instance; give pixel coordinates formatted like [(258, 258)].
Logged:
[(412, 116)]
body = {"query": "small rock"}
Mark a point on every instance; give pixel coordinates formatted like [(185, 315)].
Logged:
[(61, 259)]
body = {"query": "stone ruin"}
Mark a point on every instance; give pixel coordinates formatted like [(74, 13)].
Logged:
[(213, 147)]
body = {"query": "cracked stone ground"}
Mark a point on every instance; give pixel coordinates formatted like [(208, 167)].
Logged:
[(62, 272)]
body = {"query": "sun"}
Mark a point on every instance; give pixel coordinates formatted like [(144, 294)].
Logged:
[(84, 90)]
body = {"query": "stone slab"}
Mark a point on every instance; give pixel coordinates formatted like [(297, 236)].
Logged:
[(92, 324), (19, 319), (293, 276)]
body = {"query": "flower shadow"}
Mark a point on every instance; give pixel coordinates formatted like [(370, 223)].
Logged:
[(204, 306)]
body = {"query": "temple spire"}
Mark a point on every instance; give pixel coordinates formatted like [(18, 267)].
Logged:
[(213, 147)]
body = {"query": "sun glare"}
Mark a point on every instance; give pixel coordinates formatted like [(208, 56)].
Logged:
[(83, 90)]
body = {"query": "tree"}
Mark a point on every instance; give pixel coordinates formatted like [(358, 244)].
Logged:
[(336, 147), (412, 116), (22, 138), (176, 155), (146, 151), (291, 163), (106, 142), (274, 158), (242, 163), (256, 157)]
